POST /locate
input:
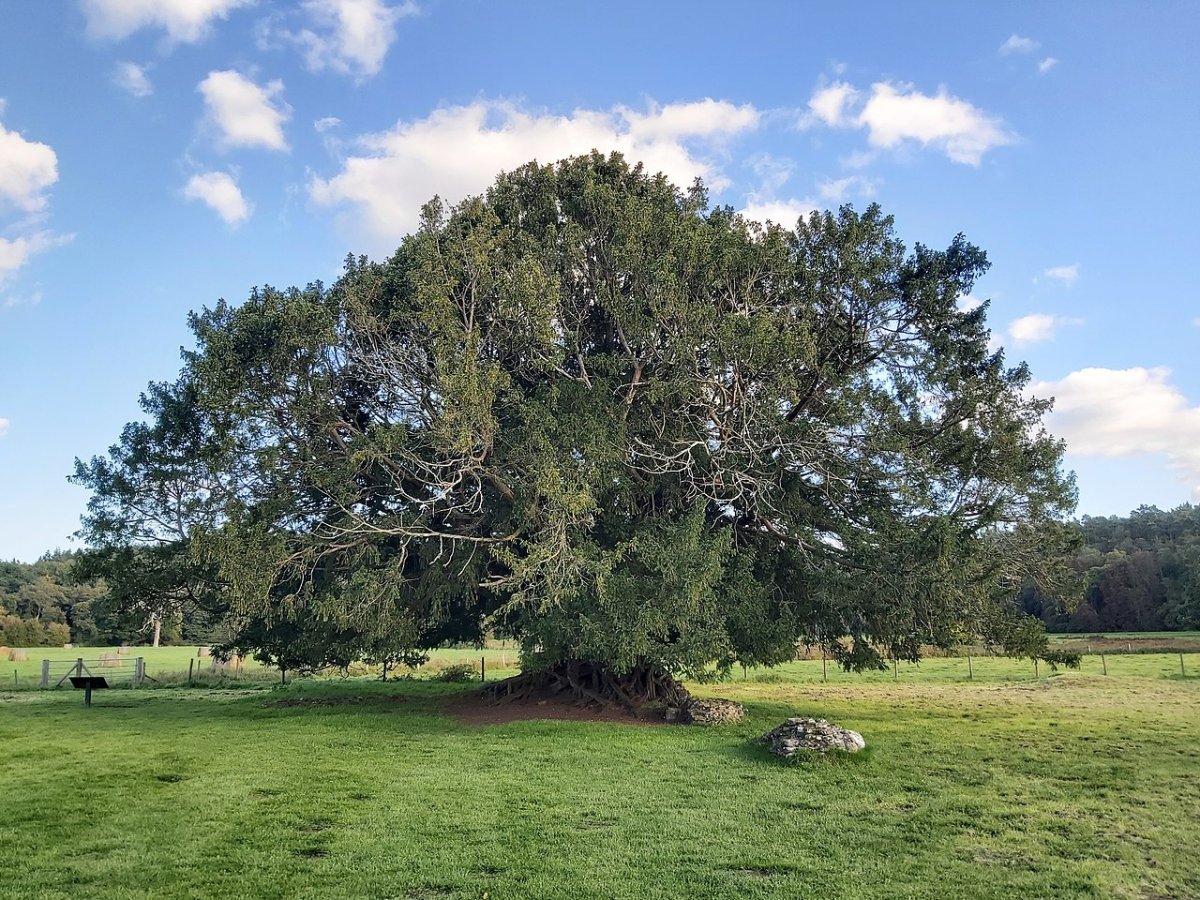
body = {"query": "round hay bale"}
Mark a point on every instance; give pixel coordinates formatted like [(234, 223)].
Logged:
[(18, 655), (68, 646), (4, 651), (204, 651), (123, 649)]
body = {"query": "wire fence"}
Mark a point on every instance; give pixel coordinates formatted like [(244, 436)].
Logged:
[(810, 665)]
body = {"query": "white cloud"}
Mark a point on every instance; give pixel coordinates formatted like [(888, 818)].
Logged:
[(326, 123), (1037, 327), (1018, 44), (184, 21), (968, 303), (4, 425), (16, 252), (1065, 274), (781, 212), (895, 114), (349, 36), (247, 114), (1126, 413), (131, 77), (679, 121), (1047, 64), (457, 151), (27, 169), (219, 192), (831, 105)]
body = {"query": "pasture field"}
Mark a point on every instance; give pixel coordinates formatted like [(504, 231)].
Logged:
[(1074, 785), (1126, 635), (169, 663)]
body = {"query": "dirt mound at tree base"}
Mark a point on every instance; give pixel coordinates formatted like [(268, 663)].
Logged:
[(477, 708)]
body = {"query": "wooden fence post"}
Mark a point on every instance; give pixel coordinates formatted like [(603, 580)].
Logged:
[(1182, 674), (45, 674), (79, 667), (1035, 667), (191, 662), (970, 671), (1103, 664), (482, 669), (137, 672), (824, 673)]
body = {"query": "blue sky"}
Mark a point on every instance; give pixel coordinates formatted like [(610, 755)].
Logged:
[(156, 155)]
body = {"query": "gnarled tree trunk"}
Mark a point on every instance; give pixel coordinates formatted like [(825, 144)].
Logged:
[(591, 683)]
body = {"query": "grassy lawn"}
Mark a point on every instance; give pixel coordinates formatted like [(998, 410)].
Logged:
[(1070, 786)]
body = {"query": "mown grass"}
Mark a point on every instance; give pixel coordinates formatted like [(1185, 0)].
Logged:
[(1070, 786)]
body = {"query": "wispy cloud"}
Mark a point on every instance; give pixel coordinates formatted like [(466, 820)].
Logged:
[(132, 78), (1047, 64), (1018, 44), (1066, 274), (16, 252)]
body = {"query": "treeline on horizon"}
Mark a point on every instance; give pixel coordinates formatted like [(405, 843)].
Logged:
[(1139, 572), (42, 604)]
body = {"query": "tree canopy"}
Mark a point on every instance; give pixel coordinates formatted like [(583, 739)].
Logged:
[(592, 412)]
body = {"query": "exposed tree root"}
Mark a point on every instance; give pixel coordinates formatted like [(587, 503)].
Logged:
[(594, 684)]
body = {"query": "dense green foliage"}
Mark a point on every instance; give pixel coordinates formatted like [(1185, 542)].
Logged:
[(43, 605), (1071, 787), (1141, 572), (590, 411)]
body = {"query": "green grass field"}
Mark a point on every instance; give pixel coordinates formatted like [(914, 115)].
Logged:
[(1076, 785)]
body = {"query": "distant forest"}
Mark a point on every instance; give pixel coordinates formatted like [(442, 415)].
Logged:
[(41, 605), (1139, 572)]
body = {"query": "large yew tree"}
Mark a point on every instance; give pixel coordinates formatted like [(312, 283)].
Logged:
[(647, 437)]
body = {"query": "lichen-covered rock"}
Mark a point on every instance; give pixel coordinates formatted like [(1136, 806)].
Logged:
[(711, 711), (811, 734)]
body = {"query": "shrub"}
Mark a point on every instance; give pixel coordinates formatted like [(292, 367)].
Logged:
[(457, 672), (1068, 658)]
